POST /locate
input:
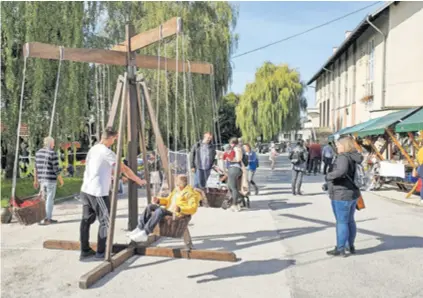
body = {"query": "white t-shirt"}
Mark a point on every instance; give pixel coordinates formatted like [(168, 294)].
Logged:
[(98, 171)]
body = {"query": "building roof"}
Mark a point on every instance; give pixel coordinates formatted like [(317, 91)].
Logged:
[(358, 31)]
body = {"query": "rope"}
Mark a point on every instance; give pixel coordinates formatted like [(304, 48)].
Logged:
[(214, 99), (167, 114), (158, 87), (212, 106), (193, 102), (56, 89), (176, 96), (185, 94), (15, 165)]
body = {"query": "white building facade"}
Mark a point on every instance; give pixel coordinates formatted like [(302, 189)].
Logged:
[(376, 70)]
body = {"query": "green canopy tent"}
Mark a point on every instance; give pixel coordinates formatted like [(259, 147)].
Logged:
[(331, 138), (411, 124), (378, 127), (353, 129)]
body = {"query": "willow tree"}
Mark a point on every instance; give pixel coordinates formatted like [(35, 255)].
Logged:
[(208, 35), (272, 103), (227, 117), (62, 23)]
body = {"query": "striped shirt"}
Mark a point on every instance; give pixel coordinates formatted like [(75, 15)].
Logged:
[(47, 165)]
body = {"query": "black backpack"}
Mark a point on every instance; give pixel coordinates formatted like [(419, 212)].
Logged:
[(297, 157)]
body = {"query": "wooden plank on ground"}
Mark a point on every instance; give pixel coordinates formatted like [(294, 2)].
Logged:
[(90, 278), (48, 51), (226, 256), (149, 37)]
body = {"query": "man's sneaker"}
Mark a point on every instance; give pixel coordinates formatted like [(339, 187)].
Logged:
[(139, 236), (136, 230), (256, 190), (99, 256), (336, 253), (87, 254)]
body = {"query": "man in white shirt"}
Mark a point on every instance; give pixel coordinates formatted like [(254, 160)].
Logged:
[(327, 154), (95, 192)]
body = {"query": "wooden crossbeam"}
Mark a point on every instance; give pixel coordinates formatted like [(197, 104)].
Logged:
[(396, 142), (151, 36), (178, 253), (48, 51)]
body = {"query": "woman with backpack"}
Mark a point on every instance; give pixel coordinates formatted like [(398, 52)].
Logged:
[(252, 166), (344, 193)]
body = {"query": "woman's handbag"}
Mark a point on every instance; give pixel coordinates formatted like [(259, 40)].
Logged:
[(360, 203)]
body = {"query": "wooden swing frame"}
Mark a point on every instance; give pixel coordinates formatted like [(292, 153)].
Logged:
[(130, 91)]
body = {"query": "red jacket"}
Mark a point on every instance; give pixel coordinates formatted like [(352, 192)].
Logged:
[(315, 151)]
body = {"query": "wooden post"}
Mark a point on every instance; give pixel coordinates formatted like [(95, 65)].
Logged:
[(380, 156), (141, 128), (132, 133), (394, 139), (163, 151), (113, 202)]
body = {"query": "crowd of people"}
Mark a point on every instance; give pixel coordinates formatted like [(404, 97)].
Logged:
[(240, 163)]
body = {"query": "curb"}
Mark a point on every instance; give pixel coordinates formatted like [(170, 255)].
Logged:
[(410, 201), (64, 199)]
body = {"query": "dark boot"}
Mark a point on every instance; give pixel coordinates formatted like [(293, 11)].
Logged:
[(87, 254), (336, 253)]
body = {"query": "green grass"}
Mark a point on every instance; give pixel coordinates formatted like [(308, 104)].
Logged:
[(24, 188)]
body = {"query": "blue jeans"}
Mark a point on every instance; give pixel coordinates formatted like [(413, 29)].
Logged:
[(49, 192), (200, 178), (346, 229)]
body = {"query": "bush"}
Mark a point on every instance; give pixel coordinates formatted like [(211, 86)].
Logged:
[(24, 188)]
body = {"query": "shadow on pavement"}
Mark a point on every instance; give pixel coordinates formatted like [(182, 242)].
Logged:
[(388, 242), (273, 205), (249, 268)]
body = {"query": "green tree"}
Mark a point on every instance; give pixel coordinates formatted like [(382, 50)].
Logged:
[(227, 117), (272, 103)]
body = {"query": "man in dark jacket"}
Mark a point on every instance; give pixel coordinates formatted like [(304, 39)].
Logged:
[(298, 158), (202, 158)]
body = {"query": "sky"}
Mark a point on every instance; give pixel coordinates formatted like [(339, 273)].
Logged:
[(260, 23)]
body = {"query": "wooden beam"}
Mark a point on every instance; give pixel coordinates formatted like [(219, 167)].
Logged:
[(47, 51), (163, 151), (394, 139), (116, 99), (413, 140), (76, 245), (178, 253), (380, 156), (90, 278), (151, 36)]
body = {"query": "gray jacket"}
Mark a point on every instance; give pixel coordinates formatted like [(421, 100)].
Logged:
[(339, 186)]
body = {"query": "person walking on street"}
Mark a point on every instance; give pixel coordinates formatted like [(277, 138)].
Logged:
[(95, 192), (234, 174), (47, 172), (298, 157), (253, 163), (272, 156), (315, 154), (327, 155), (202, 158), (344, 194)]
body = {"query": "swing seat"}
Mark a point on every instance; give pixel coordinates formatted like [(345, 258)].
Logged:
[(172, 228)]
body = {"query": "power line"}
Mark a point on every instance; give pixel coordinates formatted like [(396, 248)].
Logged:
[(306, 31)]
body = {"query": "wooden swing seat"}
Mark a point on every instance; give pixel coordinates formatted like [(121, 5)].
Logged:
[(172, 228)]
